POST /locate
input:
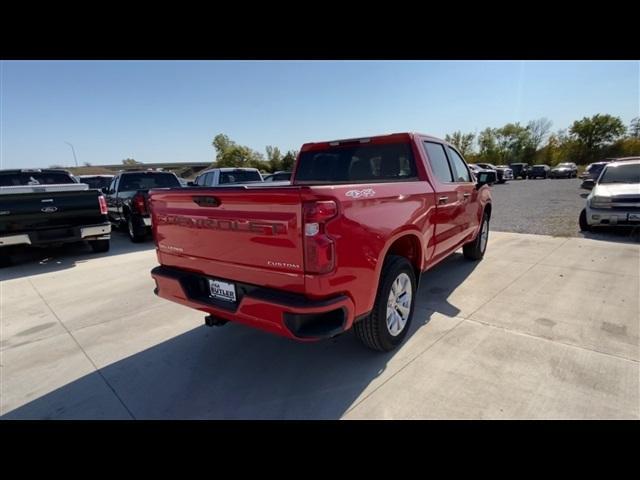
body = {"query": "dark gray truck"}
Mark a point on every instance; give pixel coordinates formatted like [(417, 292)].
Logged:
[(45, 207), (127, 199)]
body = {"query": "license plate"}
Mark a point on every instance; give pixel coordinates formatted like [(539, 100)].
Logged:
[(222, 290), (634, 217)]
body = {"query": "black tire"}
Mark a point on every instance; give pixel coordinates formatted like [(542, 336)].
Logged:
[(475, 249), (582, 220), (135, 229), (100, 246), (373, 331), (5, 258)]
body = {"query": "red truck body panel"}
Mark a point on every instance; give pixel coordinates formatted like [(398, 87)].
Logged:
[(255, 236)]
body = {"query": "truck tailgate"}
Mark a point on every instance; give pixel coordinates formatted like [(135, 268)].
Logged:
[(246, 234), (20, 212)]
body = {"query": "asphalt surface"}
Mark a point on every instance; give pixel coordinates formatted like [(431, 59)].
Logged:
[(547, 207)]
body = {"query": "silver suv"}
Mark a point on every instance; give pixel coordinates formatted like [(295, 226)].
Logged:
[(615, 197)]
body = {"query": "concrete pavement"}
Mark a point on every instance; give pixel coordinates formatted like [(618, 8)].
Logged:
[(543, 327)]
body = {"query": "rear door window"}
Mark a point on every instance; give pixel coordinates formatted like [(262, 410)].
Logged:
[(362, 163), (438, 161), (461, 172)]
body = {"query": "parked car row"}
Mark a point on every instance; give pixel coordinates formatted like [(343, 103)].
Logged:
[(503, 172)]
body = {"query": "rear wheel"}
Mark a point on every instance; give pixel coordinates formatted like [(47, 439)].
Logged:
[(5, 258), (99, 246), (582, 220), (136, 231), (475, 249), (387, 325)]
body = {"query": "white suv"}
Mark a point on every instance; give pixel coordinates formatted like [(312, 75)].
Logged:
[(228, 176), (615, 197)]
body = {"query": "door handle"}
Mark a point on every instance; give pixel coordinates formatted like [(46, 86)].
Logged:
[(442, 200)]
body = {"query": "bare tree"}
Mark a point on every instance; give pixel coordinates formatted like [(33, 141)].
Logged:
[(538, 131)]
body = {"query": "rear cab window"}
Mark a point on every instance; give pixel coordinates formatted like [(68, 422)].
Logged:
[(239, 176), (146, 181), (361, 163), (11, 179)]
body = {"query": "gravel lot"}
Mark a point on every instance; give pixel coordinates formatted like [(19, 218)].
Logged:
[(546, 207)]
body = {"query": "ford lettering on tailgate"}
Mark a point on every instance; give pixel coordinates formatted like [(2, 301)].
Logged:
[(257, 226)]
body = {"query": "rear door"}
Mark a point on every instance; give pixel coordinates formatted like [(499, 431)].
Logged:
[(450, 200)]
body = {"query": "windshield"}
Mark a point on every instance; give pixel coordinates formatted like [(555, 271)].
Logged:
[(621, 174), (564, 165), (361, 163), (240, 176), (147, 181), (34, 178)]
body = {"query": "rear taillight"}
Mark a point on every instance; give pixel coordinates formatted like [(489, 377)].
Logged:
[(139, 204), (103, 204), (319, 248)]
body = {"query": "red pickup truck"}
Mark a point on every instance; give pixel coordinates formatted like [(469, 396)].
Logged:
[(342, 246)]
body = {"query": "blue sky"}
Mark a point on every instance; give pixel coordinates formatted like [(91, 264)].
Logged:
[(166, 111)]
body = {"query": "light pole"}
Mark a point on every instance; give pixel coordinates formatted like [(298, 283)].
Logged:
[(74, 152)]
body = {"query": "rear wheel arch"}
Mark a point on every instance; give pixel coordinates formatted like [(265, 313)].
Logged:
[(408, 246)]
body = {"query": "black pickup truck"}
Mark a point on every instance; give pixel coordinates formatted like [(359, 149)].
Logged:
[(127, 199), (45, 207)]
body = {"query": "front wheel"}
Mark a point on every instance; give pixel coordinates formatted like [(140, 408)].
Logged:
[(387, 325), (475, 249), (99, 246), (582, 220)]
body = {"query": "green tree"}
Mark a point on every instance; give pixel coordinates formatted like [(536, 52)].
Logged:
[(274, 157), (512, 141), (593, 134), (288, 160), (463, 141), (488, 146), (634, 128), (230, 154), (130, 162)]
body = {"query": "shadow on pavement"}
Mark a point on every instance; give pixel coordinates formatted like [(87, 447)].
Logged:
[(614, 234), (35, 261), (235, 372)]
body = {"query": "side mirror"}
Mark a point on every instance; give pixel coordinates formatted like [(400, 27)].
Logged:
[(588, 184), (191, 184), (104, 189), (486, 178)]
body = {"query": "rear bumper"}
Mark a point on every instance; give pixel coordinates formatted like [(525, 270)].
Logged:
[(286, 314), (58, 235)]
